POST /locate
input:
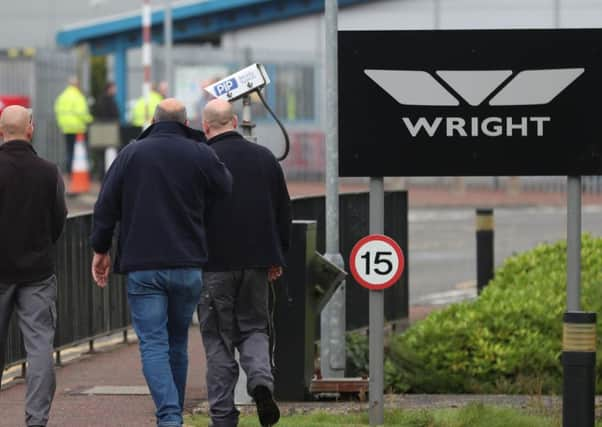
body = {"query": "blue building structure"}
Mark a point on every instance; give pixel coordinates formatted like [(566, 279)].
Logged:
[(196, 22)]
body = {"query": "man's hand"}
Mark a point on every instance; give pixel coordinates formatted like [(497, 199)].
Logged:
[(274, 272), (101, 267)]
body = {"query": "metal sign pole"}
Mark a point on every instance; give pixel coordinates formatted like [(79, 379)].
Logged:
[(332, 319), (377, 305), (168, 43), (579, 328), (573, 291), (147, 59)]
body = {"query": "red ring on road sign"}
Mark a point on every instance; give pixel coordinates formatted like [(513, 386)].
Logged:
[(356, 274)]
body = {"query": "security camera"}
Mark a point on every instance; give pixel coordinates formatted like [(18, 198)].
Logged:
[(241, 83)]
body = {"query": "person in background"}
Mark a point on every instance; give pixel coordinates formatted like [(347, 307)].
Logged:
[(248, 233), (157, 190), (140, 115), (105, 111), (72, 116), (32, 217)]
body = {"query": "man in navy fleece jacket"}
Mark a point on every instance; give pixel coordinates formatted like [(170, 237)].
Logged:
[(158, 189)]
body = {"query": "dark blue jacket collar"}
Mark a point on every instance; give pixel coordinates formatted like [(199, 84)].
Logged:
[(173, 128), (232, 134)]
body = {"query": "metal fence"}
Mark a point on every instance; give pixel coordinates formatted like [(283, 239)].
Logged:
[(40, 75), (52, 69), (84, 311)]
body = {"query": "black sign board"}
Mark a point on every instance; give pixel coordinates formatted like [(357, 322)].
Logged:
[(470, 102)]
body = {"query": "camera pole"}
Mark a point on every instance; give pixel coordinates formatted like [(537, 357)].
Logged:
[(247, 124), (241, 397)]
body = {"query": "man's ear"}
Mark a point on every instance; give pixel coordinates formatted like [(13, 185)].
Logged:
[(235, 121), (187, 123)]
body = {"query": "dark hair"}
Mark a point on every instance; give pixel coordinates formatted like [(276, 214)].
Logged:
[(108, 85), (162, 115)]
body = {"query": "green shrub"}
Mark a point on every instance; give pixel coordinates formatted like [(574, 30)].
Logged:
[(357, 354), (509, 339)]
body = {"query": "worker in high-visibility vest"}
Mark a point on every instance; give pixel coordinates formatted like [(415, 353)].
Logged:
[(141, 116), (72, 116)]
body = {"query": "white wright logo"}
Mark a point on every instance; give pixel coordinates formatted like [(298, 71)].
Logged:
[(501, 87)]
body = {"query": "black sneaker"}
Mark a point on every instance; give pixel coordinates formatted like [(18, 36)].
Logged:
[(267, 410)]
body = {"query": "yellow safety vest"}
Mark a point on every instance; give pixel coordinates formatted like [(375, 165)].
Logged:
[(139, 114), (71, 110)]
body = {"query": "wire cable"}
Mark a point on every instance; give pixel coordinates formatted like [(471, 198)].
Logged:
[(287, 142)]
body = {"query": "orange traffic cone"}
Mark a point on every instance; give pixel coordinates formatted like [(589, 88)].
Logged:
[(80, 169)]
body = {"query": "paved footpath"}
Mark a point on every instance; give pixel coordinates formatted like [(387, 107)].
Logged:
[(119, 366), (116, 366)]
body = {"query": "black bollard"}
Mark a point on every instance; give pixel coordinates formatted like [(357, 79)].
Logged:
[(485, 259), (579, 366)]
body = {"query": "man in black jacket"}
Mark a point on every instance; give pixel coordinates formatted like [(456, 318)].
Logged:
[(32, 216), (157, 189), (248, 234), (106, 109)]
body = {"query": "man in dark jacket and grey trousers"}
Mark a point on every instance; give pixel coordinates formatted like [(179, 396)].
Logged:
[(32, 216), (248, 233), (158, 189)]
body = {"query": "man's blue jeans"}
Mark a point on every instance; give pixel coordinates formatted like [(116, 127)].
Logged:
[(162, 303)]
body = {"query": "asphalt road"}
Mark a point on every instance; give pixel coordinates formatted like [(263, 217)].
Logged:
[(442, 245)]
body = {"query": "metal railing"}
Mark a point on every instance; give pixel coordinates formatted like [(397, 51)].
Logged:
[(85, 312)]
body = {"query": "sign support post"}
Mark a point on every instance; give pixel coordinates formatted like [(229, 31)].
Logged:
[(579, 329), (377, 312), (573, 240), (333, 316), (376, 262)]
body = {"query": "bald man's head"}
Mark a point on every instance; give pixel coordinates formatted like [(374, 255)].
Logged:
[(170, 110), (16, 124), (218, 117)]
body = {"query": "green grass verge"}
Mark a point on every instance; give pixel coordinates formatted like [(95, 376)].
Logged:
[(474, 415)]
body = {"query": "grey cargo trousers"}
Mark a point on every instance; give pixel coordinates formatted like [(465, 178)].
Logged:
[(35, 306), (233, 313)]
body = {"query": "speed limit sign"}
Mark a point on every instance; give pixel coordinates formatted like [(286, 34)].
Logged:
[(376, 262)]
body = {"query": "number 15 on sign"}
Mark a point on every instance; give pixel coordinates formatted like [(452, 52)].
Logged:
[(377, 262)]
